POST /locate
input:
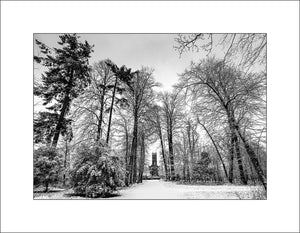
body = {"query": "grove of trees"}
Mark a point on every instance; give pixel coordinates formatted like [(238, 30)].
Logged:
[(99, 120)]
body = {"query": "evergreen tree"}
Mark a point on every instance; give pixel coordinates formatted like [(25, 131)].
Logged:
[(202, 169), (123, 76), (66, 77), (47, 166), (44, 127)]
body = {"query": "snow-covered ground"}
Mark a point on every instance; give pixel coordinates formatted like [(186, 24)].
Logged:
[(159, 189)]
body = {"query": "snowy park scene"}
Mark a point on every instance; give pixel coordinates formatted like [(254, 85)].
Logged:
[(150, 116)]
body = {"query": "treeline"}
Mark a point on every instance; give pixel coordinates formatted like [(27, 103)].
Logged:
[(99, 120)]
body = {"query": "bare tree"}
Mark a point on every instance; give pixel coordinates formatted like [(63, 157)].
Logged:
[(102, 78), (172, 108), (246, 49), (123, 124), (229, 92), (155, 119), (139, 98), (88, 110)]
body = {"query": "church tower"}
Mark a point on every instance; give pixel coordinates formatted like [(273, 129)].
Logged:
[(154, 167)]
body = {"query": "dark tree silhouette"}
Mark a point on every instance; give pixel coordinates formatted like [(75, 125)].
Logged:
[(66, 77)]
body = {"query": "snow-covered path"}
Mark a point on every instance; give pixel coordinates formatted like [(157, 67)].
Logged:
[(159, 189)]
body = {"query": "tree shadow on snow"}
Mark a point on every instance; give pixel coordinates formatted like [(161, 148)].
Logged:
[(49, 191), (98, 197)]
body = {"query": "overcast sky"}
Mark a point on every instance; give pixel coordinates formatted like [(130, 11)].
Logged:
[(136, 50)]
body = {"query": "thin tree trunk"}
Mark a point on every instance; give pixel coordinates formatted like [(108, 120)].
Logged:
[(65, 164), (169, 167), (231, 154), (251, 170), (190, 148), (186, 161), (190, 143), (193, 149), (111, 110), (134, 178), (99, 131), (218, 172), (132, 162), (142, 159), (163, 153), (46, 186), (126, 156), (171, 154), (183, 171)]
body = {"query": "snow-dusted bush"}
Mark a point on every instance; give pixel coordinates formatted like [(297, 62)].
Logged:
[(95, 172), (46, 166), (202, 170)]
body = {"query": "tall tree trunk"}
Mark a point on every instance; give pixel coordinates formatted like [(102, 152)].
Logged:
[(132, 161), (99, 130), (236, 146), (193, 149), (169, 166), (231, 157), (46, 186), (134, 176), (63, 110), (111, 110), (163, 152), (171, 153), (218, 152), (239, 159), (218, 172), (190, 147), (142, 159), (65, 164), (254, 160), (186, 161), (251, 170), (126, 157), (183, 170)]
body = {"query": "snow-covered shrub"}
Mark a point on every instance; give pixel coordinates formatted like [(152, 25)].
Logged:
[(202, 170), (95, 172), (46, 166)]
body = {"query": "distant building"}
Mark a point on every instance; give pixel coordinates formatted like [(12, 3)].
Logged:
[(154, 167)]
